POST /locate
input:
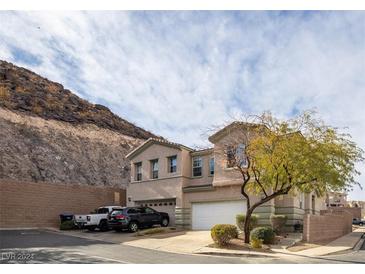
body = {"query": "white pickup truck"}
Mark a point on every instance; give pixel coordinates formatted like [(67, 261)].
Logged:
[(95, 220)]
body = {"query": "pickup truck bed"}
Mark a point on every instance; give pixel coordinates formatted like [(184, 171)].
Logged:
[(95, 220)]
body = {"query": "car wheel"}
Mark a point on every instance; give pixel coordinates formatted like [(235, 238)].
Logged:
[(133, 227), (103, 226), (165, 222)]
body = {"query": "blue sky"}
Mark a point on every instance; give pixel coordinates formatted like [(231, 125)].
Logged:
[(179, 73)]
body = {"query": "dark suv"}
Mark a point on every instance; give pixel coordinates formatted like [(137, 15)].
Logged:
[(133, 218), (357, 221)]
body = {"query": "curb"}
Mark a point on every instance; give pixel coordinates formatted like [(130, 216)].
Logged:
[(212, 253), (359, 243)]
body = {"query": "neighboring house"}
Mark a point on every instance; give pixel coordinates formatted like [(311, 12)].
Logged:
[(358, 204), (198, 188), (336, 199)]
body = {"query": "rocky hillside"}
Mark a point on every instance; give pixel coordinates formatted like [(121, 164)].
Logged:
[(24, 91), (48, 134)]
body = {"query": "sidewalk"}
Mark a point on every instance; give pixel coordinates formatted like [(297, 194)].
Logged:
[(196, 242), (342, 244)]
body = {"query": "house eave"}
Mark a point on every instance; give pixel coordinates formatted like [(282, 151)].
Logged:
[(152, 141)]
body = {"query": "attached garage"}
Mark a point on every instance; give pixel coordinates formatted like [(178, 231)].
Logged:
[(207, 214), (165, 205)]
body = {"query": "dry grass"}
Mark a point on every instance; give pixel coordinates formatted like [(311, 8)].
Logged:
[(4, 93), (156, 230)]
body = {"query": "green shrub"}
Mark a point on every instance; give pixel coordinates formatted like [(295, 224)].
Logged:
[(240, 221), (67, 225), (256, 243), (223, 233), (265, 233), (278, 222)]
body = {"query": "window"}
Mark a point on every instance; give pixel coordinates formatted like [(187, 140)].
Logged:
[(138, 171), (301, 200), (236, 156), (172, 164), (135, 210), (197, 166), (230, 157), (149, 210), (241, 156), (211, 166), (116, 212), (103, 210), (154, 169)]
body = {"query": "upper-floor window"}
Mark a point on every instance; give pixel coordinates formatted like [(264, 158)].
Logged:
[(211, 166), (237, 156), (138, 171), (154, 169), (241, 155), (171, 164), (230, 157), (197, 166)]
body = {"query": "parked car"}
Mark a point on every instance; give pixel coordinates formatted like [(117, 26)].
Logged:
[(96, 220), (357, 221), (133, 218)]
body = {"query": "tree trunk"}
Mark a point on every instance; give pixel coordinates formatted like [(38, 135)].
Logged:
[(247, 226)]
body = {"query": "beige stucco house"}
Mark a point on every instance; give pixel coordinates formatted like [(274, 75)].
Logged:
[(197, 188), (336, 199)]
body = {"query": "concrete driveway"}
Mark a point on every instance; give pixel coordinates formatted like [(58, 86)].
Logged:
[(187, 242)]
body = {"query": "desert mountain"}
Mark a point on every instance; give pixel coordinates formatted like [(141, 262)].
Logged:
[(48, 134)]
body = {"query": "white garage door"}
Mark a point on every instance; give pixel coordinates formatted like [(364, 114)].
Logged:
[(206, 215), (167, 206)]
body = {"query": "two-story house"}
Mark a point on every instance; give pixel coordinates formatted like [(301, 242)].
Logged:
[(197, 187)]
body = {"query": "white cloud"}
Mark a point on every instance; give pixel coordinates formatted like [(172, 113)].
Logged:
[(178, 73)]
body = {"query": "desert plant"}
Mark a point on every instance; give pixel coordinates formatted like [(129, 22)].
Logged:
[(4, 93), (256, 243), (278, 222), (67, 225), (240, 221), (223, 233), (265, 233)]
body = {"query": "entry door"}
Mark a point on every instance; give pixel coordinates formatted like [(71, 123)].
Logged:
[(207, 214)]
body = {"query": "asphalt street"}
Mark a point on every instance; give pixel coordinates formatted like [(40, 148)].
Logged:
[(41, 246)]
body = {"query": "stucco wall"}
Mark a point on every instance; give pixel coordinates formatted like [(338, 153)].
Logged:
[(325, 227), (161, 153), (154, 190)]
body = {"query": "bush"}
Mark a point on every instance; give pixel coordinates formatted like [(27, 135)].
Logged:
[(265, 233), (256, 243), (67, 225), (240, 221), (278, 222), (223, 233)]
